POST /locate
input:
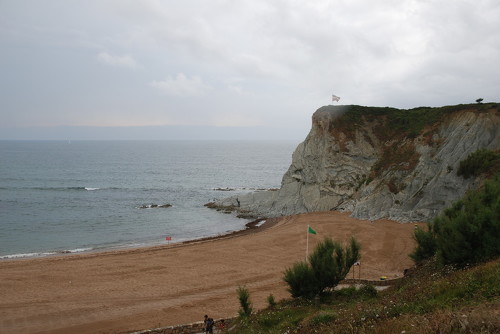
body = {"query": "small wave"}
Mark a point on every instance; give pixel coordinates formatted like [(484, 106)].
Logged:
[(26, 255), (58, 188), (243, 189), (224, 189), (66, 188), (259, 224), (76, 250), (153, 206), (43, 254)]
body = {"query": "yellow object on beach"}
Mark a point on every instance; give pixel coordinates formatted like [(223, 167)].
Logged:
[(383, 278)]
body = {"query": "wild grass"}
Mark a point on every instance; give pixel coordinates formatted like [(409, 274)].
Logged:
[(432, 299), (468, 232), (479, 162)]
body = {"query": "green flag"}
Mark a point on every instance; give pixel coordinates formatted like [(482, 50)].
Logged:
[(310, 230)]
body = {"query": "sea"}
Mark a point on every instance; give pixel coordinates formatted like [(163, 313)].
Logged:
[(59, 197)]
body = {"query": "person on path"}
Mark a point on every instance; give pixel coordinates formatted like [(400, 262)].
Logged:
[(209, 324), (222, 325)]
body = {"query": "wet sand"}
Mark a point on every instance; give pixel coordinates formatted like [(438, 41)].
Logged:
[(127, 290)]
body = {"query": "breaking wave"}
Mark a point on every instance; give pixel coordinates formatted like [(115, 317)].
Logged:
[(65, 188), (43, 254), (242, 189)]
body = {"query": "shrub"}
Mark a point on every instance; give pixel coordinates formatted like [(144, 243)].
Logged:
[(352, 293), (368, 291), (271, 301), (301, 281), (478, 162), (322, 318), (349, 291), (246, 305), (328, 265), (468, 232), (426, 244)]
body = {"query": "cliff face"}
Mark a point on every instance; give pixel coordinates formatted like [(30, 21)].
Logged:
[(381, 162)]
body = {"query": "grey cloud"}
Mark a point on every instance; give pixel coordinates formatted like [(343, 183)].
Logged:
[(244, 61)]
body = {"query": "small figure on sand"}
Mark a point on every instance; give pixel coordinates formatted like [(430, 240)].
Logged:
[(222, 325), (209, 324)]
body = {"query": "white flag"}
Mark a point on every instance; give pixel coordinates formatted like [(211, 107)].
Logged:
[(335, 98)]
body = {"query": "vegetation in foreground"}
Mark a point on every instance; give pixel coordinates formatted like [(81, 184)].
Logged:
[(326, 267), (451, 291), (431, 299), (468, 232)]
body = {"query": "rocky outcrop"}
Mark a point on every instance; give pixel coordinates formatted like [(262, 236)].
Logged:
[(154, 206), (380, 162)]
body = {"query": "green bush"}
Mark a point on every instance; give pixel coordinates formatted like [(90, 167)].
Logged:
[(426, 244), (322, 318), (368, 291), (468, 232), (412, 121), (349, 291), (244, 298), (478, 162), (271, 302), (352, 293), (328, 265), (301, 281)]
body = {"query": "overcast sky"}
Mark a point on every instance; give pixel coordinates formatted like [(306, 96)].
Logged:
[(231, 64)]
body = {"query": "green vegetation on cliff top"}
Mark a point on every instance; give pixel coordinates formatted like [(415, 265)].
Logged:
[(396, 128), (405, 122)]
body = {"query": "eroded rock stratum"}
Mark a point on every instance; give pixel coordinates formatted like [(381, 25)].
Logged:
[(380, 162)]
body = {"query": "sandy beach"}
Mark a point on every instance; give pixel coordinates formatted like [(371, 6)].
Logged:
[(122, 291)]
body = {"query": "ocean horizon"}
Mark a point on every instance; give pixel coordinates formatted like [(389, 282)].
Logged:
[(60, 197)]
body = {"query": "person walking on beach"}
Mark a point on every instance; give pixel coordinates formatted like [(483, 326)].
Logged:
[(209, 324)]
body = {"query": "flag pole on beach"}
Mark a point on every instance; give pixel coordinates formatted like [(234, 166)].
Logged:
[(311, 231)]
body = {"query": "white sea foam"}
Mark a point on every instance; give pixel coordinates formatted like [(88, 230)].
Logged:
[(259, 224), (241, 189), (43, 254), (25, 255), (90, 189), (77, 250)]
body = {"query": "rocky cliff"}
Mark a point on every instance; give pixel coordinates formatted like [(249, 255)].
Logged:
[(380, 162)]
